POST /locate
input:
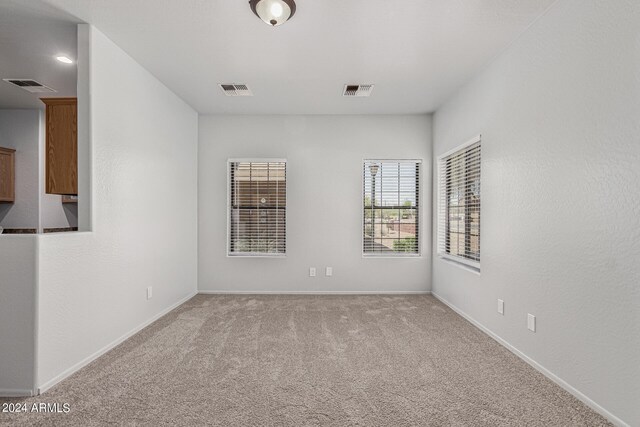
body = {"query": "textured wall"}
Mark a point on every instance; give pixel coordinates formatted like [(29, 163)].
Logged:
[(144, 186), (19, 129), (324, 201), (17, 314), (559, 112)]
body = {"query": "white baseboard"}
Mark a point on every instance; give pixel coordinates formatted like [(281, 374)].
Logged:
[(230, 292), (46, 386), (553, 377), (7, 392)]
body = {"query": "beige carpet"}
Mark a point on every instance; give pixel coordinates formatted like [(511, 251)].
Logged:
[(306, 361)]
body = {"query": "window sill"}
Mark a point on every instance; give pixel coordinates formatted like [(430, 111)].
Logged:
[(399, 256), (248, 255), (461, 264)]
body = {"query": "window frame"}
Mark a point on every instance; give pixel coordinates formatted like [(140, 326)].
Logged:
[(393, 255), (466, 263), (286, 186)]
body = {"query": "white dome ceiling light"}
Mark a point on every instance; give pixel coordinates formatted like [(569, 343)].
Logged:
[(273, 12)]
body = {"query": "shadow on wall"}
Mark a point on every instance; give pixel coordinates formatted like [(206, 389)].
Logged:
[(4, 210), (71, 212)]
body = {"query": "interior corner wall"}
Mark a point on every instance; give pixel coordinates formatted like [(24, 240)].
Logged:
[(324, 202), (93, 285), (558, 113)]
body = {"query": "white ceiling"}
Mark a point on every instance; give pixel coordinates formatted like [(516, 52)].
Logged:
[(416, 52), (31, 36)]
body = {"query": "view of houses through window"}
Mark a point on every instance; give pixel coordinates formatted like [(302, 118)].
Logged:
[(257, 203), (391, 207), (459, 204), (257, 207)]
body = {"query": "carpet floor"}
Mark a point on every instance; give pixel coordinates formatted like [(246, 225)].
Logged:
[(292, 360)]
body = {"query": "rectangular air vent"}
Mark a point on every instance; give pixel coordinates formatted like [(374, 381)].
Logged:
[(357, 90), (235, 90), (30, 85)]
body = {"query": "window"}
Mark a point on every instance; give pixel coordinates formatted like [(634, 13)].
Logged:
[(459, 204), (257, 207), (391, 207)]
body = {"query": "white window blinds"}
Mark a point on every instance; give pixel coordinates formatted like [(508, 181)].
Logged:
[(459, 204), (391, 207), (257, 207)]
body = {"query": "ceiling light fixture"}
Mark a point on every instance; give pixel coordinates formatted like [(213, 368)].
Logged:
[(64, 59), (273, 12)]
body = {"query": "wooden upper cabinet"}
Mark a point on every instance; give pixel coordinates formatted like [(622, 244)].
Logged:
[(7, 175), (61, 157)]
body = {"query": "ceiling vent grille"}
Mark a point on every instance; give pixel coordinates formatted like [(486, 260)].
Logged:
[(30, 85), (357, 90), (236, 90)]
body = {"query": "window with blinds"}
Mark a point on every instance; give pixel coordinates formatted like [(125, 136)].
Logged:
[(257, 208), (459, 204), (391, 200)]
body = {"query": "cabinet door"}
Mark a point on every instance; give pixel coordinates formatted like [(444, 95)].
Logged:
[(7, 175), (61, 146)]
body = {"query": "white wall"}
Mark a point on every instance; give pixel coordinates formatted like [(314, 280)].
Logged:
[(92, 285), (19, 129), (559, 112), (83, 207), (324, 201), (17, 314)]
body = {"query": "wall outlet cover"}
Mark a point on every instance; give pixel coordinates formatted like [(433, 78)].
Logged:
[(149, 292), (531, 322), (312, 272), (329, 271), (501, 306)]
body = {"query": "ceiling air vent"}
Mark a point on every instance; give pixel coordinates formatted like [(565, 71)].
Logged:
[(30, 85), (357, 90), (235, 90)]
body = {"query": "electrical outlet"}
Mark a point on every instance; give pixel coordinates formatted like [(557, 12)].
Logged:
[(312, 272), (531, 322), (501, 306), (328, 271), (149, 292)]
